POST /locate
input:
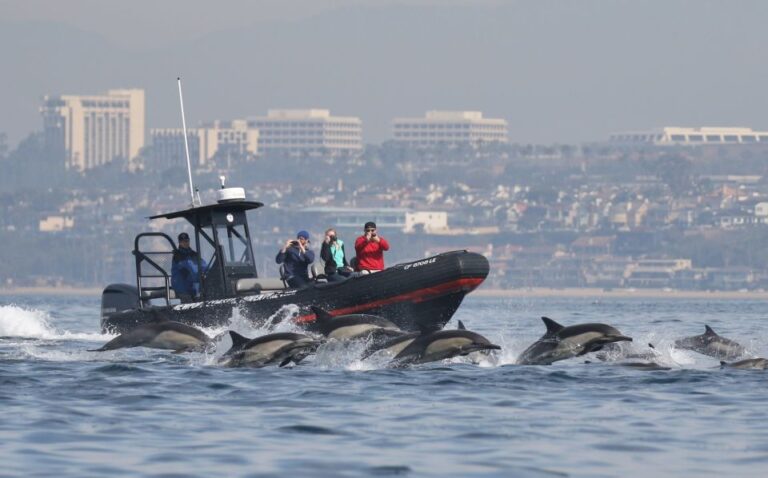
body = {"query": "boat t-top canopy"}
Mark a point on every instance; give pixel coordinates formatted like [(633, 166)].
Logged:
[(188, 214), (223, 249)]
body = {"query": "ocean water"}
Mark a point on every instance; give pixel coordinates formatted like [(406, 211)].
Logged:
[(140, 412)]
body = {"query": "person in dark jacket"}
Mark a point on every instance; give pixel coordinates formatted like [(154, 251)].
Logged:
[(332, 252), (296, 256), (184, 270)]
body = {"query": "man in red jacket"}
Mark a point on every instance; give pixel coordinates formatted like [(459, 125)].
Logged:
[(370, 249)]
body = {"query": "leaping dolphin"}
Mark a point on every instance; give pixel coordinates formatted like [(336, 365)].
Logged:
[(355, 326), (390, 348), (440, 345), (753, 364), (161, 334), (713, 345), (279, 348), (622, 351), (560, 342)]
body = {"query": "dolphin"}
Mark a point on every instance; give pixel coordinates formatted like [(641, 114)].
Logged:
[(713, 345), (355, 326), (440, 345), (280, 348), (560, 343), (618, 351), (394, 346), (161, 334), (645, 365), (640, 365), (753, 364)]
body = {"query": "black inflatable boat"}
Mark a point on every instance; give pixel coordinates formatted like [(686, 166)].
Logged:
[(419, 295)]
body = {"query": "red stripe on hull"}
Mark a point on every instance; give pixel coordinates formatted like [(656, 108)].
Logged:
[(416, 296)]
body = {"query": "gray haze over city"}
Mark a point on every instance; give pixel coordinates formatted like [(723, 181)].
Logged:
[(557, 71)]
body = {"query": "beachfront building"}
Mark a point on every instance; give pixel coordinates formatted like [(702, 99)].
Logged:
[(658, 273), (312, 132), (386, 218), (450, 127), (678, 136), (89, 131), (233, 140)]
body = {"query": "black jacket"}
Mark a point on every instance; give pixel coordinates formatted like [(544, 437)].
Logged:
[(330, 264)]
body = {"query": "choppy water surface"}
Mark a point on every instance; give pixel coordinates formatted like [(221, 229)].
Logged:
[(69, 412)]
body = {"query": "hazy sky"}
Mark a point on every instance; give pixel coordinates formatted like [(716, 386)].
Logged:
[(558, 71)]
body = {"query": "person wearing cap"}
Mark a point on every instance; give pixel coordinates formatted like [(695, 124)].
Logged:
[(370, 249), (296, 256), (184, 270)]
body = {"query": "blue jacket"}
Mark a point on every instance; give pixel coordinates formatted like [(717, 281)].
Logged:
[(295, 262), (184, 272)]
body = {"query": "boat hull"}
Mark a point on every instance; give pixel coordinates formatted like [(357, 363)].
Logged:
[(421, 295)]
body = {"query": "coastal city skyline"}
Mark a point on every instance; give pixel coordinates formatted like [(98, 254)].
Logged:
[(86, 131)]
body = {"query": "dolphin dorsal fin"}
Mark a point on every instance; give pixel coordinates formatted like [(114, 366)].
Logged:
[(461, 326), (321, 315), (708, 330), (237, 339), (552, 326)]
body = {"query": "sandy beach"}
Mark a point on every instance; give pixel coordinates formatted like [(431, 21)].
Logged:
[(621, 293), (58, 291), (481, 292)]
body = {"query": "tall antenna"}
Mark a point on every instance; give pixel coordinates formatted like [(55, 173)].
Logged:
[(186, 145)]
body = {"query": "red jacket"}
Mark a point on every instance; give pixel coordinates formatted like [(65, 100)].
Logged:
[(370, 254)]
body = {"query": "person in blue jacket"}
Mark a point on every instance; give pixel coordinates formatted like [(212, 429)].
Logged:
[(184, 270), (296, 256)]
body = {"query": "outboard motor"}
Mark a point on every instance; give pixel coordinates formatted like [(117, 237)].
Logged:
[(118, 298)]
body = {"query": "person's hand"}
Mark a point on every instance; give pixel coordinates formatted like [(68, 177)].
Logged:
[(288, 244), (327, 238), (375, 238), (368, 236)]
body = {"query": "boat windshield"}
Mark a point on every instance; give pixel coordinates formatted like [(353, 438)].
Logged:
[(235, 250)]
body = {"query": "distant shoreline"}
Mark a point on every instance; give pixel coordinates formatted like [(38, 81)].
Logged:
[(621, 293), (64, 290), (482, 292)]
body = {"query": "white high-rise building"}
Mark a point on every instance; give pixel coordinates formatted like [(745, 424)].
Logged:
[(233, 138), (450, 127), (312, 132), (88, 131)]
